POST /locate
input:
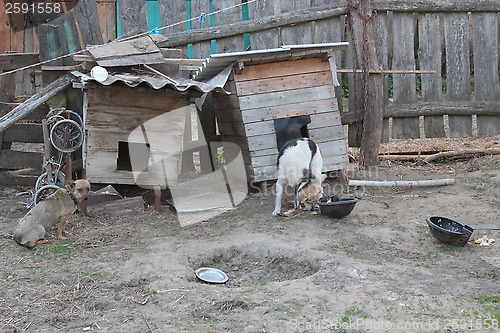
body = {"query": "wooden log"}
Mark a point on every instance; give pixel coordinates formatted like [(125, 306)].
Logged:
[(402, 183), (254, 25), (462, 154), (356, 99)]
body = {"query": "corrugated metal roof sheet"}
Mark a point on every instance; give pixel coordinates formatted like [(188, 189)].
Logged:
[(153, 81), (218, 62)]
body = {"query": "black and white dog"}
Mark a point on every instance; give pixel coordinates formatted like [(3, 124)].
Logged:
[(299, 166)]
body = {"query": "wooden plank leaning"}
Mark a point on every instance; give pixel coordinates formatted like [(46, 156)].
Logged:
[(20, 111)]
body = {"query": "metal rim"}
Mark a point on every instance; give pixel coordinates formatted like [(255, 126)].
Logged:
[(44, 192), (66, 135)]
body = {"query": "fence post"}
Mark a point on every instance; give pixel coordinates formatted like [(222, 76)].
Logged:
[(360, 19)]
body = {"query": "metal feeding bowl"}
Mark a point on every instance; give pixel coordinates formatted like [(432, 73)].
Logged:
[(211, 275), (336, 207), (449, 231)]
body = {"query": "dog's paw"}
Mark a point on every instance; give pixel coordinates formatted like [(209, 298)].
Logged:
[(276, 213), (60, 237)]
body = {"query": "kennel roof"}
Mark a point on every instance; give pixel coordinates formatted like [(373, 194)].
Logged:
[(153, 81), (216, 63)]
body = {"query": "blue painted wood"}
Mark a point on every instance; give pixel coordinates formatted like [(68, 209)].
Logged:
[(154, 17), (213, 42), (244, 17), (189, 26)]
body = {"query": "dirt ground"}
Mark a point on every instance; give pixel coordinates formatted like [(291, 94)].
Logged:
[(376, 270)]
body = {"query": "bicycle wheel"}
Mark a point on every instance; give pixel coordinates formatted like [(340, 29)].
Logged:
[(54, 180), (66, 135), (70, 114), (44, 192)]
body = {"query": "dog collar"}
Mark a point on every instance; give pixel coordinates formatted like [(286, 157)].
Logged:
[(72, 197)]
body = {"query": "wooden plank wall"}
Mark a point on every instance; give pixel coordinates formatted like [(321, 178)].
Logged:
[(112, 113), (282, 89)]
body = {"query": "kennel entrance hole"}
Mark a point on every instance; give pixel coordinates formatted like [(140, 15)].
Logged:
[(289, 128), (136, 150), (248, 267)]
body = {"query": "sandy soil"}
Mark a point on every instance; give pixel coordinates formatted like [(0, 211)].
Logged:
[(376, 270)]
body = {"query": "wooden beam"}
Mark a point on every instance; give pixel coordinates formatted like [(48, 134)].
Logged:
[(398, 183), (189, 67), (437, 6), (34, 101), (258, 24), (62, 68), (462, 154), (10, 61), (386, 71), (178, 61), (489, 108)]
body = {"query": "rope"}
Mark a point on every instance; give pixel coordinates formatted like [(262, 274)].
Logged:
[(202, 16)]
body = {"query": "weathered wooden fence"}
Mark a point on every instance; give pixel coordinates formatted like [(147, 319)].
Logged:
[(459, 40)]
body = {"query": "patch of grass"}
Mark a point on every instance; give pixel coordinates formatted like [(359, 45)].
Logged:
[(353, 311), (479, 189), (442, 158), (488, 299), (60, 248), (492, 273), (449, 248), (399, 228)]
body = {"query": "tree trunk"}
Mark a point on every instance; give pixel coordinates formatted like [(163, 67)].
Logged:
[(361, 15)]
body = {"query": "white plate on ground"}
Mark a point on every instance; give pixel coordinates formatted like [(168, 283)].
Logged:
[(211, 275)]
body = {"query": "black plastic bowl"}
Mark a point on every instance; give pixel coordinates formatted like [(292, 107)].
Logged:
[(336, 207), (449, 231)]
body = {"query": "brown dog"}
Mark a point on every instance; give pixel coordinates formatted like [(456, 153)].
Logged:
[(55, 208)]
